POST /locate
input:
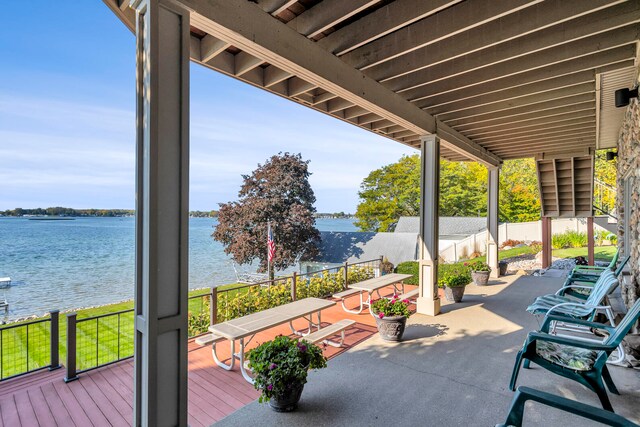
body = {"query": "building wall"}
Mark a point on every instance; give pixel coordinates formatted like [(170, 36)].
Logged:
[(629, 166)]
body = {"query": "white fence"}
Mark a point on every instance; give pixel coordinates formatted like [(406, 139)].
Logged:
[(455, 250)]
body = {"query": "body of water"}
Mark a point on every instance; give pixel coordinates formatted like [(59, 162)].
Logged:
[(90, 261)]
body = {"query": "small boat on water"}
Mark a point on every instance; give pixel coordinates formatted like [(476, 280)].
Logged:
[(5, 282), (45, 218)]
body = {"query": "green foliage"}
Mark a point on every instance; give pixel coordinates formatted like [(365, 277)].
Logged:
[(613, 238), (453, 275), (409, 267), (198, 320), (569, 239), (385, 307), (283, 363), (394, 191), (478, 266)]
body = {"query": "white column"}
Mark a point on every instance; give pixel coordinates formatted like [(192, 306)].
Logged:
[(162, 213), (492, 221), (428, 301)]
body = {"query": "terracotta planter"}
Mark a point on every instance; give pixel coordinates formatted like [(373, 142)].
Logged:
[(391, 328), (454, 294), (480, 278), (287, 402)]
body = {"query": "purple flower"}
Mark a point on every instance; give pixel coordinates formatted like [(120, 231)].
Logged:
[(272, 366), (302, 347), (269, 387), (381, 315)]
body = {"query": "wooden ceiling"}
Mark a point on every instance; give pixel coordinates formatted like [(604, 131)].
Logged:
[(495, 79)]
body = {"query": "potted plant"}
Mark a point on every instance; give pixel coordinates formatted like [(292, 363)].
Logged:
[(280, 368), (479, 272), (391, 317), (454, 283)]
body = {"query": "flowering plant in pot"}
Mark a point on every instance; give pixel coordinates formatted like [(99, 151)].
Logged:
[(479, 272), (391, 317), (280, 368), (454, 283)]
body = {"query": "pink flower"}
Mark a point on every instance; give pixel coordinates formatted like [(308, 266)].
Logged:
[(269, 387), (406, 301), (380, 315), (272, 366), (395, 296), (466, 263)]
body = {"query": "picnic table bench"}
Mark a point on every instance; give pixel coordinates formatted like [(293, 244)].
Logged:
[(370, 286), (243, 329)]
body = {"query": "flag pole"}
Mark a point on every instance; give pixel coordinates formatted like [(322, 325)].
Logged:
[(268, 257)]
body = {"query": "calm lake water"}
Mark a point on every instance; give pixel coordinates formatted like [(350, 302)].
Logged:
[(90, 261)]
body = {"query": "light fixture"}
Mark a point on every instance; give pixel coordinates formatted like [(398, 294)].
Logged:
[(611, 155), (623, 96)]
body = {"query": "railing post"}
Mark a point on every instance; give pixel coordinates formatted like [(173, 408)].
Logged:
[(213, 306), (294, 279), (346, 274), (71, 348), (55, 340)]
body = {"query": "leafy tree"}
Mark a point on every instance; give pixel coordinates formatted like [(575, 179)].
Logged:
[(519, 194), (278, 192)]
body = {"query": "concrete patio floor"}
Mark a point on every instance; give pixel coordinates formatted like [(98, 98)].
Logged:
[(452, 370)]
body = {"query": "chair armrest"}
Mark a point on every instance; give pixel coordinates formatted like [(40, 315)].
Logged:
[(532, 337), (546, 323), (563, 289), (592, 268), (577, 304)]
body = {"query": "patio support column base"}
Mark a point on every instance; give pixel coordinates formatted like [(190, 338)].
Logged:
[(492, 221), (428, 300), (162, 213)]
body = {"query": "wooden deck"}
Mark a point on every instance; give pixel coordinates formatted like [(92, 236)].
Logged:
[(104, 397)]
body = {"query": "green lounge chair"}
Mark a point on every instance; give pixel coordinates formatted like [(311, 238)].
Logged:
[(523, 394), (574, 358), (585, 281), (593, 269), (560, 303)]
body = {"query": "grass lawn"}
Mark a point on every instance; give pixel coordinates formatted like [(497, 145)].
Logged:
[(602, 253), (114, 333)]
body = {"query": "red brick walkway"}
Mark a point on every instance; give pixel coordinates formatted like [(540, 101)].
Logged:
[(104, 397)]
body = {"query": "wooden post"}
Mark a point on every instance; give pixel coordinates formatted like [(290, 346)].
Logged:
[(590, 241), (492, 220), (71, 348), (55, 340), (346, 275), (294, 279), (546, 242), (213, 306)]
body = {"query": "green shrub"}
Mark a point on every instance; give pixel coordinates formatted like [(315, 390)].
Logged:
[(535, 246), (569, 239), (613, 238), (478, 266), (409, 267), (453, 275)]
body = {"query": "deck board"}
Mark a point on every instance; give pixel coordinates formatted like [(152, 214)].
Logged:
[(104, 397)]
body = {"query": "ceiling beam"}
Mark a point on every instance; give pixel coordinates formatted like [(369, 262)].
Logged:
[(510, 93), (211, 47), (431, 29), (612, 57), (538, 27), (509, 132), (551, 133), (417, 84), (246, 26), (381, 22), (535, 123), (327, 14), (275, 7), (538, 98)]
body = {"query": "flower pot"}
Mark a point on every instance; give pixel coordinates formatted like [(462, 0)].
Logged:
[(502, 267), (288, 401), (454, 294), (391, 328), (480, 278)]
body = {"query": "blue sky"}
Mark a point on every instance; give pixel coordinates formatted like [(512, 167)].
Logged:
[(67, 138)]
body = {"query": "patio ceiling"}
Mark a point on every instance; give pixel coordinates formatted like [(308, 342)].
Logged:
[(494, 79)]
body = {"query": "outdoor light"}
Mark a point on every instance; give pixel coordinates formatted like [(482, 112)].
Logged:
[(611, 155), (624, 95)]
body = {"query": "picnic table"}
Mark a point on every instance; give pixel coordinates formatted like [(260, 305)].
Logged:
[(248, 326), (370, 286)]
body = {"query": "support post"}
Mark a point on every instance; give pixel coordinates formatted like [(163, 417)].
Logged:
[(55, 340), (346, 274), (72, 375), (428, 300), (492, 220), (590, 241), (546, 242), (213, 306), (294, 279), (162, 213)]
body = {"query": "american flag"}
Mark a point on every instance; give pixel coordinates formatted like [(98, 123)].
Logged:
[(271, 245)]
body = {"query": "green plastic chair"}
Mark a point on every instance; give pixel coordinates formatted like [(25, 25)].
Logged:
[(577, 359), (580, 286), (559, 303), (524, 394), (592, 269)]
